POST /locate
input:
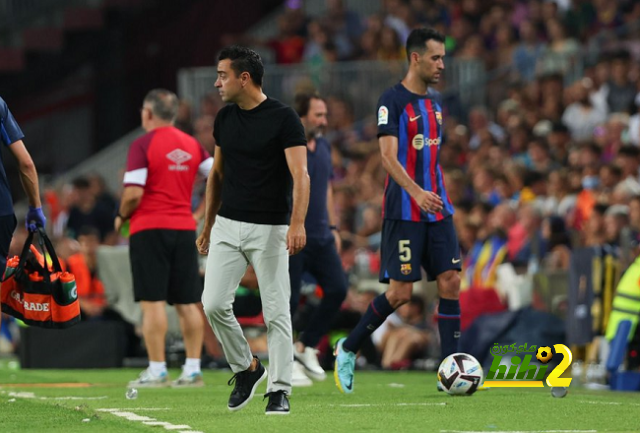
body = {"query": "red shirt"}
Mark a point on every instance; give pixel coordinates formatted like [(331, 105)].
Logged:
[(165, 162)]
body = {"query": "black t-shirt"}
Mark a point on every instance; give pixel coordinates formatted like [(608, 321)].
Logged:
[(257, 183)]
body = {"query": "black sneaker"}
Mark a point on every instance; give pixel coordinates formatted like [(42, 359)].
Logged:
[(246, 383), (278, 403)]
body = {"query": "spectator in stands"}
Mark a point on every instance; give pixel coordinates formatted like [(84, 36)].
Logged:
[(406, 337), (86, 210), (594, 234), (527, 52), (184, 120), (345, 27), (161, 170), (581, 117), (525, 240), (557, 244), (561, 51), (622, 91), (616, 218), (391, 47), (84, 265), (628, 159), (560, 200), (479, 123), (98, 188)]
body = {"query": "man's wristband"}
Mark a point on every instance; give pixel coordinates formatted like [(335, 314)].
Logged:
[(333, 228), (124, 218)]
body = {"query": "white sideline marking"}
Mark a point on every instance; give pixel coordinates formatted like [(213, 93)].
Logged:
[(615, 403), (130, 416), (128, 408), (520, 431), (383, 405), (32, 395)]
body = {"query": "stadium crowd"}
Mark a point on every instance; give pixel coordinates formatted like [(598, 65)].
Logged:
[(544, 167)]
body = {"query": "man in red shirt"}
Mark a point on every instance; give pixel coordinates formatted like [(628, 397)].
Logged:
[(158, 183)]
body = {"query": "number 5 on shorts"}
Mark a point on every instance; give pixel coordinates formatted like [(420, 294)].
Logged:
[(405, 250)]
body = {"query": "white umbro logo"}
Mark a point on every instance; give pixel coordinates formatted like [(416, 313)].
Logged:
[(179, 156)]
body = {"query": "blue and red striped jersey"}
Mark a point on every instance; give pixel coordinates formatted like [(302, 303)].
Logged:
[(416, 120)]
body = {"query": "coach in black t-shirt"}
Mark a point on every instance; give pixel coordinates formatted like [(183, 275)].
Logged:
[(260, 154)]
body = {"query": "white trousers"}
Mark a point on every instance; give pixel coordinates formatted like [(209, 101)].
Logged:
[(234, 245)]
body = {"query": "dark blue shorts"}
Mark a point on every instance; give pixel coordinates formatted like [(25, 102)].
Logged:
[(407, 246)]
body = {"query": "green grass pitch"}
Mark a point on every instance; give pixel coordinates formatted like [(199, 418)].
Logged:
[(382, 401)]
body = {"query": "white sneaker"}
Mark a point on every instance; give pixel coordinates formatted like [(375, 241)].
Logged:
[(310, 364), (149, 380), (298, 377), (193, 380)]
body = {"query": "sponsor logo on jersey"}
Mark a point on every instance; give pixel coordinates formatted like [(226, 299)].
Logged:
[(383, 115), (179, 156), (419, 141)]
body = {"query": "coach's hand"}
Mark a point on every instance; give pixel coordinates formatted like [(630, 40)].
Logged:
[(429, 201), (296, 238), (202, 243)]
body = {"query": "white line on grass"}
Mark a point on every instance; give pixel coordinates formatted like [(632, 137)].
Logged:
[(383, 405), (32, 395), (615, 403), (520, 431), (130, 416), (122, 409)]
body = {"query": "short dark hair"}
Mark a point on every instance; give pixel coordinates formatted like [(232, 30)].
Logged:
[(244, 59), (417, 40), (164, 104), (302, 102)]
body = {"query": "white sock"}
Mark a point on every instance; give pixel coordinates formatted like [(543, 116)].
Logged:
[(157, 368), (191, 365)]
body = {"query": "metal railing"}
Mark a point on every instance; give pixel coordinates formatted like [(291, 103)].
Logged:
[(360, 83)]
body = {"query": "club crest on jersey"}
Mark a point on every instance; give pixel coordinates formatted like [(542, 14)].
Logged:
[(179, 156), (439, 117), (383, 115), (405, 268)]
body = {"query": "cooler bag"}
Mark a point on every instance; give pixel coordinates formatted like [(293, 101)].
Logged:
[(36, 290)]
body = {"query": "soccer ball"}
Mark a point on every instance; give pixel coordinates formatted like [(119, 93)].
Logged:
[(460, 374)]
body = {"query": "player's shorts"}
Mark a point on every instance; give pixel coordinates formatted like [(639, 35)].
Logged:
[(407, 246), (164, 264)]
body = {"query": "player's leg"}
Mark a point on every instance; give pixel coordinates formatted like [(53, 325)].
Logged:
[(150, 262), (265, 246), (296, 269), (443, 263), (401, 250), (185, 292), (326, 267), (226, 264)]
